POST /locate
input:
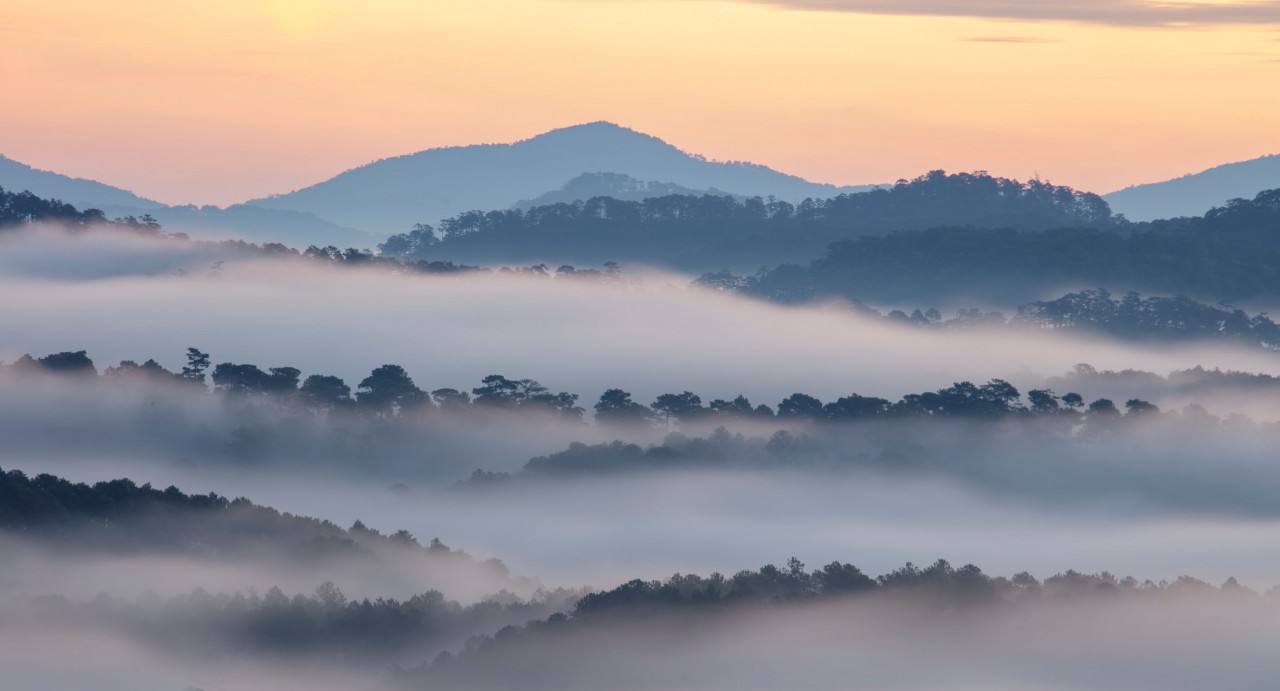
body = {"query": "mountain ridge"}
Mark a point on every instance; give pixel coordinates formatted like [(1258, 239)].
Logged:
[(392, 194), (1194, 194), (209, 222), (80, 192)]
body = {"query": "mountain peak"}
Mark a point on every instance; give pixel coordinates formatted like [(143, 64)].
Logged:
[(390, 195), (594, 132)]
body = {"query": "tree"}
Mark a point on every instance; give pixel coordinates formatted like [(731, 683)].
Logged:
[(498, 391), (77, 362), (800, 406), (843, 578), (1103, 407), (853, 407), (1001, 394), (738, 407), (616, 408), (1139, 408), (239, 379), (197, 363), (677, 407), (281, 380), (389, 390), (325, 392), (451, 399), (147, 370), (1042, 400)]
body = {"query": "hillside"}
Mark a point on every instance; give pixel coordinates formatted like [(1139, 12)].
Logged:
[(1193, 195), (84, 194)]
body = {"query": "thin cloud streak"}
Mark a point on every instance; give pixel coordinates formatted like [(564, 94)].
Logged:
[(1129, 13), (1009, 39)]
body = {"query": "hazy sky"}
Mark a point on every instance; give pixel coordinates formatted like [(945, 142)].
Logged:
[(215, 102)]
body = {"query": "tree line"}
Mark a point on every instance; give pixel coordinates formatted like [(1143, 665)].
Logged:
[(389, 391)]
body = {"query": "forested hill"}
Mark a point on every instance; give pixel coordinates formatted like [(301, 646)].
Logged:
[(1231, 253), (702, 233), (121, 516), (24, 207)]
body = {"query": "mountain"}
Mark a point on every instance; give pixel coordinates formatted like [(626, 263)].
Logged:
[(293, 228), (1193, 195), (613, 185), (81, 193), (391, 195)]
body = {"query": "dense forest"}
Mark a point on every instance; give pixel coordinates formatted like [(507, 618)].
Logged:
[(707, 232), (938, 237), (1231, 253)]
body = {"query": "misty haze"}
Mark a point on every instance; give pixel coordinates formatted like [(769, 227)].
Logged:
[(549, 344)]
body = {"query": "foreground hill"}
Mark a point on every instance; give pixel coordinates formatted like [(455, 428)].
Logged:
[(391, 195), (1193, 195)]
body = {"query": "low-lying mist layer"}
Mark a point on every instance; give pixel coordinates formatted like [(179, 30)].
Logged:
[(591, 432), (832, 627), (1183, 636), (571, 335)]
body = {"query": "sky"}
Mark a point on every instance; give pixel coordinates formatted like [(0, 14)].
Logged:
[(216, 102)]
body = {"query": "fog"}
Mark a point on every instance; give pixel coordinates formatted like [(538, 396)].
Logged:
[(575, 336), (1192, 641), (48, 658), (1186, 636), (1153, 495), (53, 253), (603, 531), (36, 568)]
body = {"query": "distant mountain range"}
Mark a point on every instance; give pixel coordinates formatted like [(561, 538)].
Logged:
[(362, 206), (391, 195), (1193, 195), (251, 223), (84, 194)]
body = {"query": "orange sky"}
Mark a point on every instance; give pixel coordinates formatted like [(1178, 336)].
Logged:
[(216, 101)]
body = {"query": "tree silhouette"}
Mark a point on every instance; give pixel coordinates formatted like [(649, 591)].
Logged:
[(388, 390)]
